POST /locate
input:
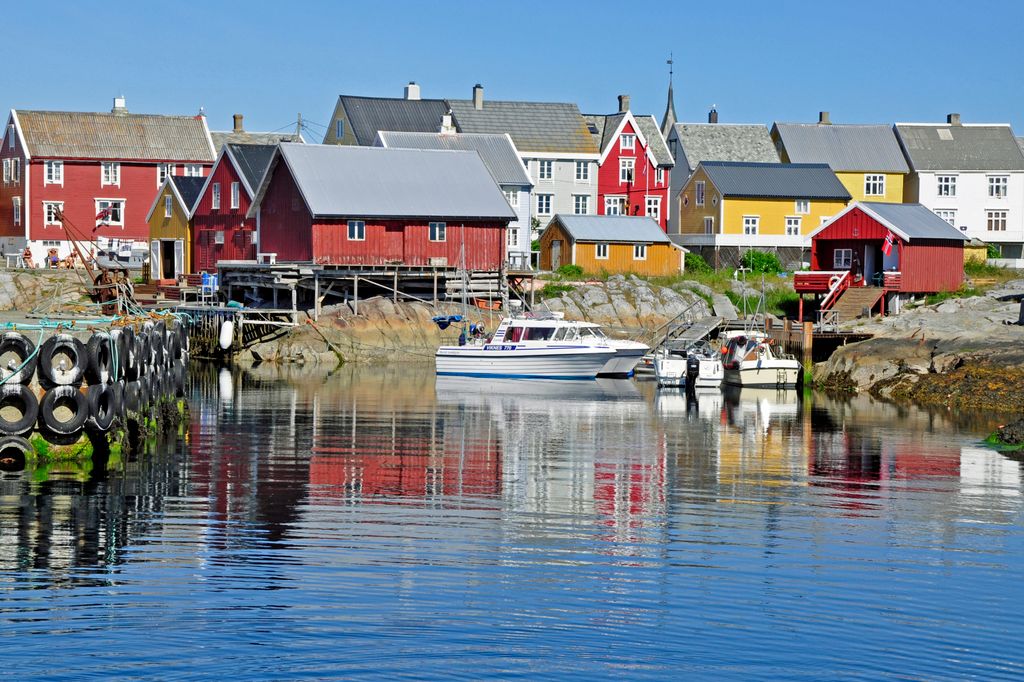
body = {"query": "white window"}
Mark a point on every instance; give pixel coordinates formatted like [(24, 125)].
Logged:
[(193, 170), (614, 205), (709, 225), (512, 197), (51, 212), (53, 172), (998, 185), (580, 204), (626, 170), (7, 170), (16, 203), (51, 242), (653, 208), (235, 191), (793, 226), (163, 171), (339, 128), (356, 230), (111, 173), (947, 214), (639, 251), (601, 251), (824, 219), (167, 205), (842, 259), (543, 204), (215, 196), (110, 211), (218, 237), (659, 176), (583, 171), (513, 237), (874, 185), (751, 224), (545, 169), (700, 192), (946, 185), (803, 207), (15, 170), (10, 136), (627, 141), (437, 232), (996, 221)]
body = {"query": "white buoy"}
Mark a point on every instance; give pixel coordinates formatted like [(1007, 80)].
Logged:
[(227, 330), (225, 385)]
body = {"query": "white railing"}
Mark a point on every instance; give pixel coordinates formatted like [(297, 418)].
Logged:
[(837, 283)]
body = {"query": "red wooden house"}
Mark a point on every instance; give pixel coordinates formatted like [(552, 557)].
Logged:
[(876, 253), (222, 229), (102, 170), (634, 166), (350, 205)]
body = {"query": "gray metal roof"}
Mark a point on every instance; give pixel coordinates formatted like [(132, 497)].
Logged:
[(189, 189), (913, 221), (611, 228), (497, 151), (143, 137), (1020, 143), (533, 126), (843, 147), (655, 141), (605, 125), (223, 137), (724, 142), (775, 180), (252, 161), (350, 181), (934, 147), (369, 115)]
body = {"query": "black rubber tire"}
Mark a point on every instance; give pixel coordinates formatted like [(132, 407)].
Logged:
[(178, 375), (69, 397), (14, 453), (22, 398), (173, 344), (102, 408), (133, 396), (62, 345), (118, 388), (20, 351), (130, 364), (101, 359), (119, 343), (157, 342), (143, 352)]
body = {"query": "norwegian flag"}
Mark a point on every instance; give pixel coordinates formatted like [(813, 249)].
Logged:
[(104, 214), (887, 245)]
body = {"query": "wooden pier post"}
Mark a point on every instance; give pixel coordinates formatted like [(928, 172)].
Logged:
[(395, 290), (355, 294), (435, 288), (316, 297), (808, 347)]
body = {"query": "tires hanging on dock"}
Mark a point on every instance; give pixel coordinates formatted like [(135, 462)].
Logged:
[(63, 360), (17, 361), (14, 453), (102, 408), (143, 352), (132, 396), (178, 376), (130, 363), (101, 359), (63, 411), (19, 410)]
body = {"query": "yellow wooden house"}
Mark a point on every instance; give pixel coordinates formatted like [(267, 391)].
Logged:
[(735, 206), (170, 227), (612, 244)]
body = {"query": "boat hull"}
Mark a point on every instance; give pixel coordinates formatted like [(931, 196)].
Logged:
[(670, 371), (625, 360), (764, 375), (521, 362), (709, 375)]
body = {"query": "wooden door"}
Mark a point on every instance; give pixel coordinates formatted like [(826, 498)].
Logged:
[(556, 254)]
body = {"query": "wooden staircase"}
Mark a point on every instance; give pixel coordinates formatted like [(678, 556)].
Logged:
[(853, 301)]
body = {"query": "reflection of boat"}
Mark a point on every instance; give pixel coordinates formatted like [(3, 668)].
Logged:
[(457, 387), (751, 360), (767, 402)]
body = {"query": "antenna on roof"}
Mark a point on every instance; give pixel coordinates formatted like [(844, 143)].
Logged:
[(298, 126)]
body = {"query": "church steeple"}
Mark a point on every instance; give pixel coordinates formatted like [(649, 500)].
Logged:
[(670, 109)]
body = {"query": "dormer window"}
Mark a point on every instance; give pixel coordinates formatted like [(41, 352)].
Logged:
[(110, 173), (627, 141)]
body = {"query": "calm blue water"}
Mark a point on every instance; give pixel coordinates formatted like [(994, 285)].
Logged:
[(372, 524)]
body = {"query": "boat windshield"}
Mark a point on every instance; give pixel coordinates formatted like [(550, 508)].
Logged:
[(562, 334), (538, 333), (593, 332)]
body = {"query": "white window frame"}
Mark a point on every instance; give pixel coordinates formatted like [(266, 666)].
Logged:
[(53, 172), (110, 173), (793, 225), (7, 170), (15, 170), (654, 202), (614, 205), (582, 171), (947, 214), (627, 141), (10, 136), (579, 200), (601, 251), (874, 185), (215, 196), (639, 251), (163, 171), (998, 186), (995, 220), (357, 230), (438, 232), (512, 238), (236, 193), (627, 169), (16, 209), (193, 170), (699, 193), (659, 176), (545, 169), (168, 205), (218, 236), (512, 197), (842, 259), (47, 219), (339, 128), (709, 224), (945, 185), (109, 202), (824, 219), (751, 225), (802, 206), (544, 202)]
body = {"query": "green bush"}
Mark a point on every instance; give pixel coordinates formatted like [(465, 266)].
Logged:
[(570, 271), (761, 261), (993, 251), (535, 245), (696, 265), (553, 290)]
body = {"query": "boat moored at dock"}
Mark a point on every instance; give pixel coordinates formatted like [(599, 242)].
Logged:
[(752, 361)]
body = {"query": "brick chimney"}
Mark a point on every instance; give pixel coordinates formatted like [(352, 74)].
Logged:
[(412, 91), (713, 115), (823, 118), (238, 124), (623, 103), (953, 119), (478, 96)]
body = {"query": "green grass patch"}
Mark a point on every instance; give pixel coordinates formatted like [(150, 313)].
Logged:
[(962, 292), (779, 302), (553, 290)]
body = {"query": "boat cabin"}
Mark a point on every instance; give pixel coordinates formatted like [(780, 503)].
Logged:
[(548, 328)]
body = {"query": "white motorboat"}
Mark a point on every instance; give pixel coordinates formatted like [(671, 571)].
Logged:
[(698, 366), (670, 368), (535, 347), (751, 360)]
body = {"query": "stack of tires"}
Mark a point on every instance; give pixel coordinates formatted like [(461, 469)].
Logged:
[(88, 386)]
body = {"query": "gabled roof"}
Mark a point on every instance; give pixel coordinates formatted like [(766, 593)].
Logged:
[(377, 182), (1020, 143), (605, 128), (934, 147), (724, 142), (655, 141), (369, 115), (533, 126), (611, 228), (251, 161), (223, 137), (498, 152), (185, 190), (843, 147), (775, 180), (908, 221), (120, 137)]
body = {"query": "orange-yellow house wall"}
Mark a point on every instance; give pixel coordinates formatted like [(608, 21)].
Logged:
[(662, 259), (773, 213), (691, 216), (178, 226), (854, 184)]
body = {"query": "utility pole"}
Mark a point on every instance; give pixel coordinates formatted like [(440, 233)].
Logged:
[(298, 125)]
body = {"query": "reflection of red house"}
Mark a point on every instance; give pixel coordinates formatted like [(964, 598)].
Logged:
[(890, 250)]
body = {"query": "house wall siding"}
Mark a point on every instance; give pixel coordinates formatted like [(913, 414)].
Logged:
[(9, 190), (239, 232), (644, 179), (408, 242), (972, 202), (854, 184), (286, 228), (662, 259), (563, 185)]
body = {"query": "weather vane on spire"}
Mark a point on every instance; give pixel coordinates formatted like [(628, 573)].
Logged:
[(670, 63)]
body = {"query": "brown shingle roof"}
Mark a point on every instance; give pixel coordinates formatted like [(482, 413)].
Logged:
[(144, 137)]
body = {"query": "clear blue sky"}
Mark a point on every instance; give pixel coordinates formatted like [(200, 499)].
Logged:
[(865, 61)]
